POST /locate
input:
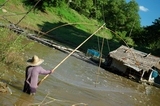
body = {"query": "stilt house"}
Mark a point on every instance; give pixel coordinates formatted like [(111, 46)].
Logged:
[(135, 64)]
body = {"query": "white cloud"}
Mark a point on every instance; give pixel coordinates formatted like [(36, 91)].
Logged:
[(142, 8)]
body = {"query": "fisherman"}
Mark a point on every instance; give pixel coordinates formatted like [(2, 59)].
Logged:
[(31, 75)]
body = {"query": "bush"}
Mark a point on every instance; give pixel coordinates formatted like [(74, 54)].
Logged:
[(11, 49), (123, 39)]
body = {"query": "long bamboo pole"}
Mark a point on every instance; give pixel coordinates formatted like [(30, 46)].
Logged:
[(70, 54)]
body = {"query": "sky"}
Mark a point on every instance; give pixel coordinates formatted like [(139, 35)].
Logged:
[(149, 10)]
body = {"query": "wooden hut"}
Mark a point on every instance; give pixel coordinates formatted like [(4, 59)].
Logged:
[(133, 63)]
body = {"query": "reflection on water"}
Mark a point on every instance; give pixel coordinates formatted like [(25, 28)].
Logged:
[(74, 83), (24, 100)]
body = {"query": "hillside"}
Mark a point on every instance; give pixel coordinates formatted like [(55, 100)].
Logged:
[(63, 25)]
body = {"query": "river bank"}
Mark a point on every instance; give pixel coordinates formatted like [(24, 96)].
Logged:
[(74, 82), (47, 42)]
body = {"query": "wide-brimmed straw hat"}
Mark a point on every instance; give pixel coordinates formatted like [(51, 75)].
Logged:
[(35, 61)]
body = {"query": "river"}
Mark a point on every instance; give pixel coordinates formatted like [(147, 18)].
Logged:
[(78, 83)]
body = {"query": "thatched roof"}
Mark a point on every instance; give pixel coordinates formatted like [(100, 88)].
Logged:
[(135, 59)]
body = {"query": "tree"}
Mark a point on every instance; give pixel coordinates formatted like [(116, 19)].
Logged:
[(153, 34), (121, 16), (148, 37), (43, 4), (97, 10)]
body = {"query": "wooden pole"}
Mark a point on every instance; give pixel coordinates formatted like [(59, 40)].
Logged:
[(100, 61), (70, 54)]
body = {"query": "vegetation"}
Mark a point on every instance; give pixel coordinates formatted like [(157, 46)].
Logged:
[(70, 22), (120, 16), (11, 52)]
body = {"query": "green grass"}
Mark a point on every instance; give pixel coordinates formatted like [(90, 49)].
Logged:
[(70, 28), (12, 55)]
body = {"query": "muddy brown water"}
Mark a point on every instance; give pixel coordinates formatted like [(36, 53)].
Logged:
[(78, 83)]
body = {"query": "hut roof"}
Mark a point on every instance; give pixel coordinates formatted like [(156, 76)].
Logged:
[(135, 59)]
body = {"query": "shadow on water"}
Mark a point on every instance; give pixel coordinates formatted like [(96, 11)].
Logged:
[(74, 83), (24, 100)]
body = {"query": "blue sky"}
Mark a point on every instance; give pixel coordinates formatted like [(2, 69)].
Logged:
[(149, 10)]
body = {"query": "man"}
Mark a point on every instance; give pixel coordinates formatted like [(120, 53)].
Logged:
[(32, 72)]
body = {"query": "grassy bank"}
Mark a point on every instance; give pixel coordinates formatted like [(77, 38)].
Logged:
[(12, 56), (61, 24)]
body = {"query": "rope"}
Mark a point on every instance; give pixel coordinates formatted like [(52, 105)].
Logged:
[(66, 25), (137, 63), (28, 12), (15, 14), (132, 28), (98, 44), (70, 54), (108, 46), (99, 61), (46, 33), (4, 3)]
